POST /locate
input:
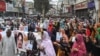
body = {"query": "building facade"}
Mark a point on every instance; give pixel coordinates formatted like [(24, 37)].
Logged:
[(81, 8), (65, 7), (29, 7), (2, 7), (11, 8), (79, 1)]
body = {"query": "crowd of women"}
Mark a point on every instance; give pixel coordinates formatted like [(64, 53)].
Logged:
[(79, 37), (58, 37)]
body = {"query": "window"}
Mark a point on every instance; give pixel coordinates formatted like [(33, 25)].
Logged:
[(8, 1), (90, 0)]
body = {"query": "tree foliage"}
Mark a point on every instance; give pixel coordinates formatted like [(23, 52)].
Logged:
[(41, 5)]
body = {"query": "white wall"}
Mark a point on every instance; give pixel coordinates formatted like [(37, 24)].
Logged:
[(78, 1), (27, 6), (65, 1), (9, 7)]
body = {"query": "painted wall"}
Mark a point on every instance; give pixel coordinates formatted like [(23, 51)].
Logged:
[(78, 1)]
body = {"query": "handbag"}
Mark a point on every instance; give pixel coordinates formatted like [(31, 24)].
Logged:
[(60, 52)]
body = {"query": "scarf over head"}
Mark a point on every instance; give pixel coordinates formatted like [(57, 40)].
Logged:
[(79, 44), (47, 45)]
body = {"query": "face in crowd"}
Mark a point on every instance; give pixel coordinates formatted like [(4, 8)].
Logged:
[(20, 40)]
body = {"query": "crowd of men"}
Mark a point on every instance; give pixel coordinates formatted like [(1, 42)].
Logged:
[(58, 37)]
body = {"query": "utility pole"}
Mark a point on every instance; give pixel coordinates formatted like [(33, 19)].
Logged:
[(23, 7), (57, 7), (61, 10), (97, 10), (18, 9), (43, 11)]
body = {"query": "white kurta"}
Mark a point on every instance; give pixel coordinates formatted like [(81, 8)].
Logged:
[(8, 45), (45, 24)]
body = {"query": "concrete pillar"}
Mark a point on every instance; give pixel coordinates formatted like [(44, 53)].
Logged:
[(97, 5), (99, 11)]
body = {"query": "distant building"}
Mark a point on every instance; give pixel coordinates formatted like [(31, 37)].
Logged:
[(64, 6), (29, 7)]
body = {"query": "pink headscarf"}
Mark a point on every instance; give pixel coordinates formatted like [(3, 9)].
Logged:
[(47, 44), (79, 44), (45, 36), (79, 39)]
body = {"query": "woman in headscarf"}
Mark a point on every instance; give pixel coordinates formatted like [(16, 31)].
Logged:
[(64, 35), (46, 45), (64, 44), (63, 47), (45, 24), (8, 44), (57, 26), (33, 42), (88, 41), (78, 48), (67, 28), (50, 28), (96, 47), (72, 38)]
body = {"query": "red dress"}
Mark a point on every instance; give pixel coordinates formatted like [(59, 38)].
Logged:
[(88, 33), (50, 28)]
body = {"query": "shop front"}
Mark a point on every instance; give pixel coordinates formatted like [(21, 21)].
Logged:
[(9, 10), (2, 8), (81, 10)]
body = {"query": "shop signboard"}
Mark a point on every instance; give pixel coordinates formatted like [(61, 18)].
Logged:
[(17, 3), (9, 7), (91, 4), (96, 4), (82, 5), (15, 9), (2, 6)]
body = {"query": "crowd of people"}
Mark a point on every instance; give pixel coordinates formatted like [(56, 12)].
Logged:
[(56, 37)]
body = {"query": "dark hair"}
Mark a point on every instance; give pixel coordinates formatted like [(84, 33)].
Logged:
[(79, 32), (8, 33), (31, 36), (20, 34), (88, 26)]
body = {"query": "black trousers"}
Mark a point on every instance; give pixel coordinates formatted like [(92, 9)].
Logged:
[(96, 51)]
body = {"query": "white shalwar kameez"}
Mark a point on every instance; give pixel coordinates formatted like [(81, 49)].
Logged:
[(8, 45)]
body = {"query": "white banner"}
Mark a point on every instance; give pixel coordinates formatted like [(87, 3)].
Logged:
[(9, 7), (17, 3), (30, 11), (96, 5)]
